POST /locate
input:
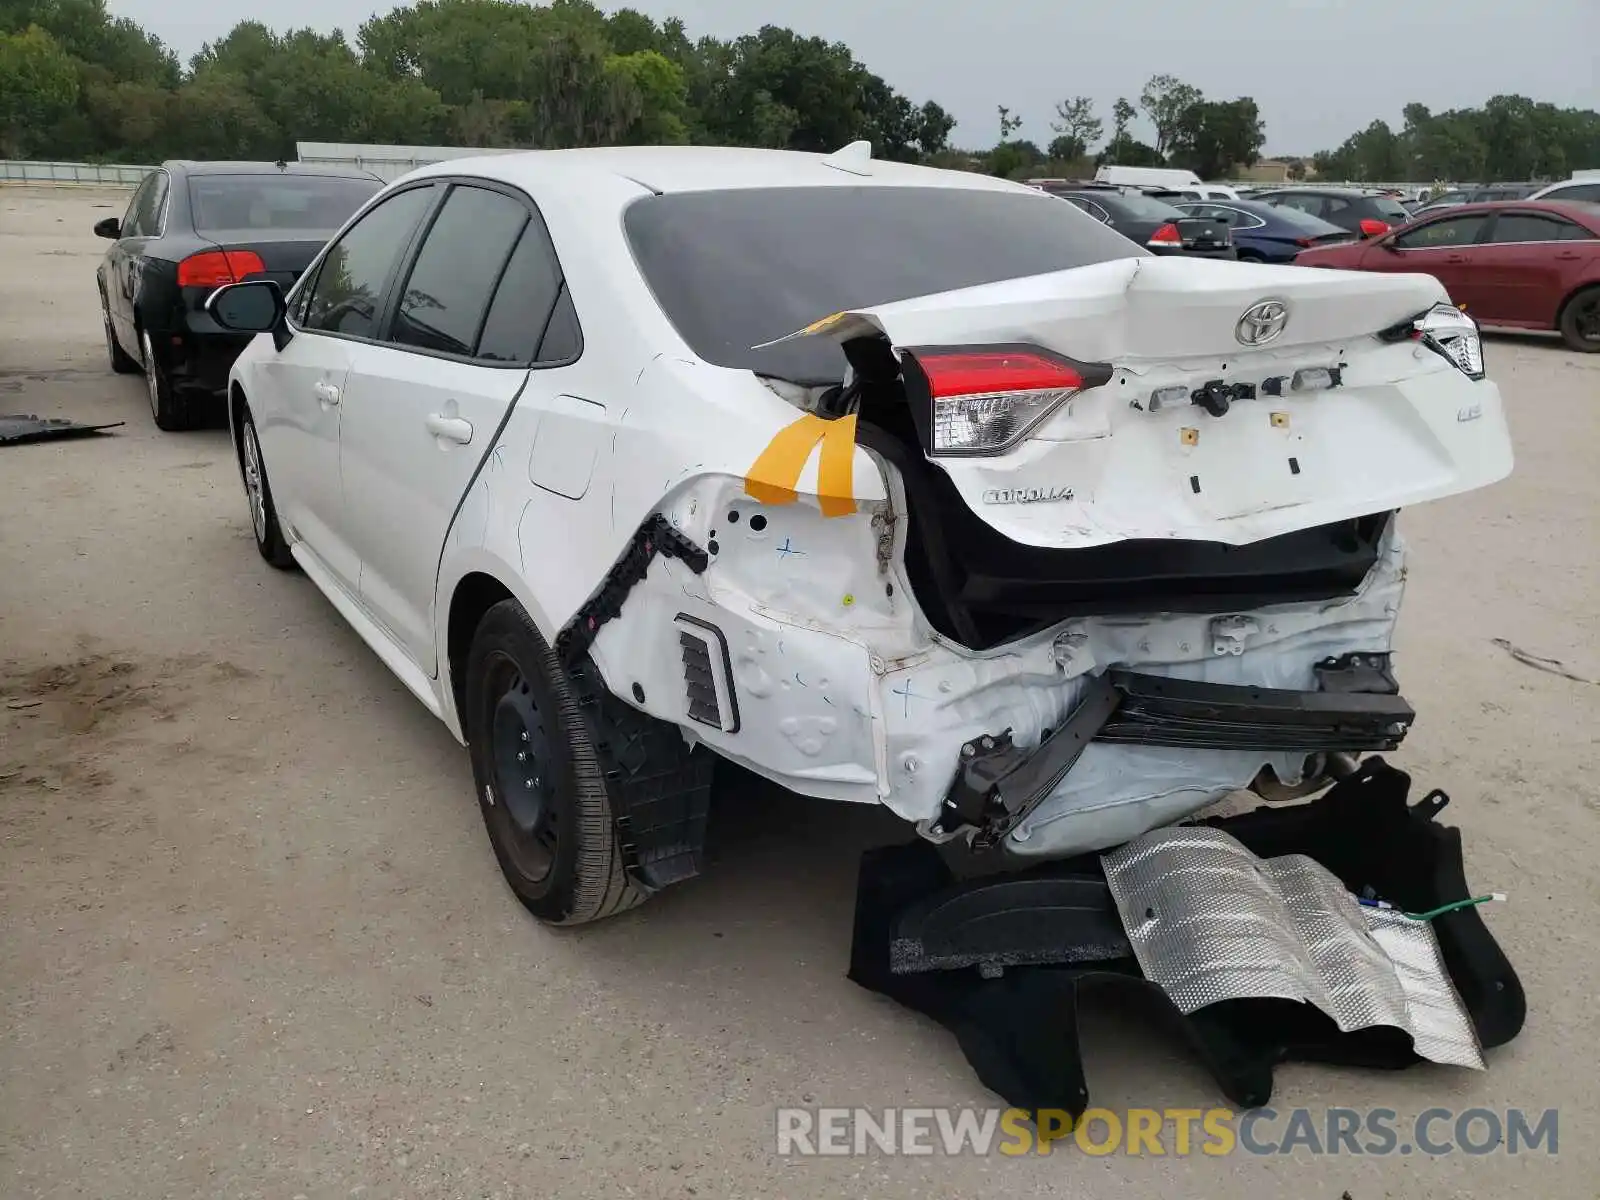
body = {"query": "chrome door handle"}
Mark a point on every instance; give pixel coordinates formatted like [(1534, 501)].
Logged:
[(452, 429), (327, 393)]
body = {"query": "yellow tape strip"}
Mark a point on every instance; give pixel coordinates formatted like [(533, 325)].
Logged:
[(773, 477)]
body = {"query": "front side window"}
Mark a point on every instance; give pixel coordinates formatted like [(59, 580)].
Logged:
[(356, 270), (1451, 231), (445, 299)]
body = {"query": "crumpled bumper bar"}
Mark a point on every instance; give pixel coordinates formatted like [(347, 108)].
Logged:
[(1157, 711), (1000, 783)]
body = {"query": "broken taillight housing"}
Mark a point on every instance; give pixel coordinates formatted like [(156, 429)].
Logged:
[(1447, 330), (984, 400)]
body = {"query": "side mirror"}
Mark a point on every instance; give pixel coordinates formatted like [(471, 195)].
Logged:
[(253, 307), (109, 227)]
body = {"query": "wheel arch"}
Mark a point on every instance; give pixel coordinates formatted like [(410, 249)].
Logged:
[(1578, 290), (475, 593)]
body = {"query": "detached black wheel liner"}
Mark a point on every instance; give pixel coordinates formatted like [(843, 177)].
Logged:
[(541, 786), (170, 407), (258, 495), (1580, 321)]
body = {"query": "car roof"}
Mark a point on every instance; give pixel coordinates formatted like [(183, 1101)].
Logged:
[(194, 166), (668, 169), (1584, 209)]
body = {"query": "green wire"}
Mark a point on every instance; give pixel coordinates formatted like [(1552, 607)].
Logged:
[(1453, 907)]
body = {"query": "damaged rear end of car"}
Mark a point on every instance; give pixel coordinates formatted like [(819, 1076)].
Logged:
[(1056, 559)]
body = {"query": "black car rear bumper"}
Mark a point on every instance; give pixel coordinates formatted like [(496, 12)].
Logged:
[(1228, 252), (194, 351)]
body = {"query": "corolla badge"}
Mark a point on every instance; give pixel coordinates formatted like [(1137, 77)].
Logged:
[(1262, 322), (1031, 495)]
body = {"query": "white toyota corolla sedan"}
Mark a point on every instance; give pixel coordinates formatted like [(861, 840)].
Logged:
[(896, 486)]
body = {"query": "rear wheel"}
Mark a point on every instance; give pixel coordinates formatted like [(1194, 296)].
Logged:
[(1580, 321), (170, 408), (122, 362), (263, 515), (541, 788), (1250, 256)]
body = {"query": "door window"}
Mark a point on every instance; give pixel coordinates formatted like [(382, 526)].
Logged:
[(523, 302), (446, 298), (1437, 235), (144, 211), (356, 270), (1536, 227)]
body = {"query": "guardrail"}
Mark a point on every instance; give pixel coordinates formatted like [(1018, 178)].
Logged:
[(71, 174)]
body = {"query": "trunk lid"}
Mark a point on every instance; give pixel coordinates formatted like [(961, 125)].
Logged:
[(1400, 426)]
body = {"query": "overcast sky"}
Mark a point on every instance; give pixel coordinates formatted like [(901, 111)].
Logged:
[(1319, 69)]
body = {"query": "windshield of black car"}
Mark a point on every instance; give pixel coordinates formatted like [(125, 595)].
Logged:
[(736, 268), (317, 204)]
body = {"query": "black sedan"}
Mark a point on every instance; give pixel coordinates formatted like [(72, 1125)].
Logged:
[(1154, 224), (190, 228), (1365, 214)]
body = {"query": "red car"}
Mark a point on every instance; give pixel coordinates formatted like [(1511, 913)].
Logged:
[(1526, 264)]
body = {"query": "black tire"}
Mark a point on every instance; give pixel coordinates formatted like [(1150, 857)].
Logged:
[(1580, 321), (1250, 256), (122, 362), (553, 828), (258, 494), (171, 409)]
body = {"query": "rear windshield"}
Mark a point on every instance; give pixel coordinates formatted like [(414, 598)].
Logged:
[(319, 204), (1391, 210), (736, 268), (1145, 208), (1303, 220)]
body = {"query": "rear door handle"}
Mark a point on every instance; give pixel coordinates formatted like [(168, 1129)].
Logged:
[(327, 393), (452, 429), (1455, 258), (1569, 256)]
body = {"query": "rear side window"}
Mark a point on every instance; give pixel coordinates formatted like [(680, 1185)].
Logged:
[(1305, 204), (523, 301), (563, 340), (1391, 211), (1450, 231), (356, 270), (735, 268), (148, 208), (317, 204), (1581, 191), (1536, 227), (446, 297)]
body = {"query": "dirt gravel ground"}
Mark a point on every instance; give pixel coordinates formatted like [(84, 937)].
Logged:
[(253, 942)]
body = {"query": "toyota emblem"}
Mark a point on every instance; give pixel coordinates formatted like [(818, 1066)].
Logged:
[(1262, 322)]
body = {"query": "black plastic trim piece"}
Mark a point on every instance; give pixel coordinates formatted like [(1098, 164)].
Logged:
[(655, 536), (660, 788)]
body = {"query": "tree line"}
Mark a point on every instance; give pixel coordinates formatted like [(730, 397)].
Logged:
[(78, 83)]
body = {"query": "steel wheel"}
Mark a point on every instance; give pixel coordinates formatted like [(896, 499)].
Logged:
[(254, 489), (524, 779)]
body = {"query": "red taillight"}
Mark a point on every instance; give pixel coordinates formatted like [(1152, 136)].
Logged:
[(1372, 227), (213, 268), (1304, 242), (1167, 235), (986, 372)]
